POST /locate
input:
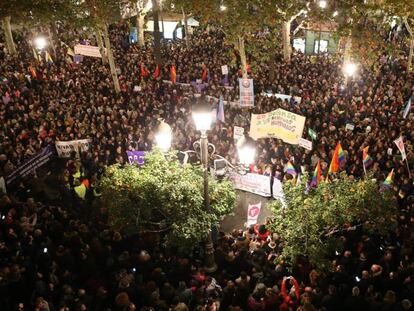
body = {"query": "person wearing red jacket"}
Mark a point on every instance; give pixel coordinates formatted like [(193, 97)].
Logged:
[(290, 301)]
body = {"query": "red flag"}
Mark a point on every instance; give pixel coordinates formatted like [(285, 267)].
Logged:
[(144, 71), (32, 71), (156, 73), (204, 75), (173, 74)]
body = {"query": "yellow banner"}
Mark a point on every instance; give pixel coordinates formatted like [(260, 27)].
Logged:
[(279, 123)]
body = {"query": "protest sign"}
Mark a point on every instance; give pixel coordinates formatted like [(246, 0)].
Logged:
[(66, 148), (254, 183), (31, 164), (225, 70), (400, 144), (88, 50), (389, 151), (238, 132), (253, 212), (246, 92), (307, 144), (349, 127), (136, 157), (279, 123)]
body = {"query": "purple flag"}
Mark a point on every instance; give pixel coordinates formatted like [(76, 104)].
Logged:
[(136, 157), (220, 112), (225, 80)]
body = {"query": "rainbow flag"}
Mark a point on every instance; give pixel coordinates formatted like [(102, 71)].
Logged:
[(366, 159), (317, 175), (173, 74), (290, 169), (337, 159), (388, 181), (48, 57)]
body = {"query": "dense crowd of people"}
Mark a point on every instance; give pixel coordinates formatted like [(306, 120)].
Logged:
[(57, 251)]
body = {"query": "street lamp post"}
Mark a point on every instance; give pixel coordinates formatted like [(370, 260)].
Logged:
[(349, 70), (202, 119), (322, 5)]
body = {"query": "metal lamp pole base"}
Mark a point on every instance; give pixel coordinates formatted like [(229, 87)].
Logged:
[(210, 263)]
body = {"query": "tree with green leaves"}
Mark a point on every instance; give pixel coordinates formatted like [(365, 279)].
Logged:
[(15, 9), (166, 197), (404, 9), (313, 219), (98, 15)]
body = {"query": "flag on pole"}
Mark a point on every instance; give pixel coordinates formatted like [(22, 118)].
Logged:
[(290, 169), (407, 108), (400, 144), (173, 74), (48, 57), (253, 212), (144, 71), (220, 112), (388, 181), (337, 159), (156, 72), (312, 134), (366, 159), (32, 71), (317, 175), (204, 75)]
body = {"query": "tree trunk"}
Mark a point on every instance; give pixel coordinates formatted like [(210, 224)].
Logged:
[(242, 53), (98, 35), (111, 60), (287, 49), (140, 24), (410, 55), (348, 50), (157, 34), (187, 33), (11, 48), (32, 44), (51, 40)]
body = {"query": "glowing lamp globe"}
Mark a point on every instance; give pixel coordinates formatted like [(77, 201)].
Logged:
[(246, 148), (202, 115), (40, 43), (164, 136)]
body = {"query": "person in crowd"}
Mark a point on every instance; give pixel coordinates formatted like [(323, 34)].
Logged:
[(57, 251)]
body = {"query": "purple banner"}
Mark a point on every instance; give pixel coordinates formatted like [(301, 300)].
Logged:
[(31, 164), (136, 157)]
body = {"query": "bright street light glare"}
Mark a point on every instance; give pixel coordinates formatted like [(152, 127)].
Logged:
[(148, 5), (350, 69), (246, 150), (223, 8), (202, 115), (164, 136), (335, 14), (323, 4), (40, 43)]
